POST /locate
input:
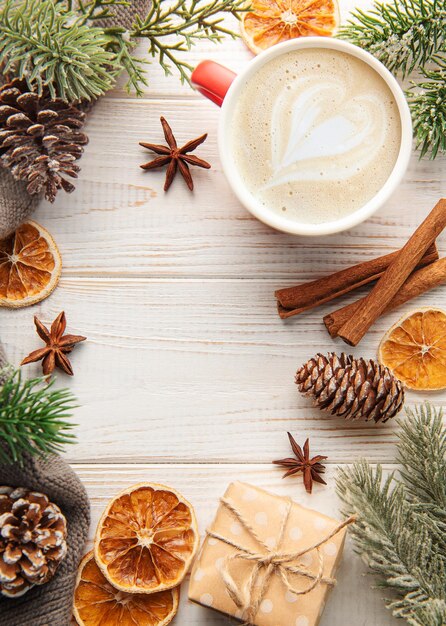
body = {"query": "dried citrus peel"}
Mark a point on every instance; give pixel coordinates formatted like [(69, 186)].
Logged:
[(30, 266), (269, 22), (146, 539), (414, 349), (97, 602)]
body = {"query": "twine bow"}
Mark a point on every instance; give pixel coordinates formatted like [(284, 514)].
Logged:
[(271, 562)]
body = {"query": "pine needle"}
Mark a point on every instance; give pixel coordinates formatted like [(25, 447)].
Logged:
[(57, 44), (409, 36), (422, 456), (49, 47), (427, 101), (401, 519), (174, 27), (32, 417), (402, 34)]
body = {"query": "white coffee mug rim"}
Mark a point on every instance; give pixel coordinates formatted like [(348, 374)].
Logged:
[(349, 221)]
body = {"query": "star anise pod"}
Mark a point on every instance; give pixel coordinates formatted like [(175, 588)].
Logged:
[(310, 467), (57, 346), (176, 158)]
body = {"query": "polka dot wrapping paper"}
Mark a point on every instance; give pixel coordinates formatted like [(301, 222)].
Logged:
[(257, 530)]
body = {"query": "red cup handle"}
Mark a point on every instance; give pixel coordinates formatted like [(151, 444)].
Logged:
[(212, 80)]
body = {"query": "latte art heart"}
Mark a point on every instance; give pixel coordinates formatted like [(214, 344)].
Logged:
[(316, 133), (337, 142)]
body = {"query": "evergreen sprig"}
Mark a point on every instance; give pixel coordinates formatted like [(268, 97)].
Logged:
[(59, 44), (48, 46), (427, 100), (424, 473), (400, 532), (120, 42), (175, 27), (402, 34), (409, 36), (33, 417)]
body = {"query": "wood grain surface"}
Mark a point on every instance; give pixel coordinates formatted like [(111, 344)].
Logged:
[(187, 375)]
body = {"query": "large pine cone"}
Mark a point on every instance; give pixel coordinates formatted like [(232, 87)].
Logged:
[(39, 139), (32, 540), (352, 388)]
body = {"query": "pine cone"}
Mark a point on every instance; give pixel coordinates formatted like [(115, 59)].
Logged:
[(349, 387), (39, 139), (32, 540)]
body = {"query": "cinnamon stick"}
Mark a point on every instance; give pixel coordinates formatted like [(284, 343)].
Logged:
[(395, 276), (294, 300), (418, 282)]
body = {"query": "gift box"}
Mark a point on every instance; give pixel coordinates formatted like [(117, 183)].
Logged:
[(266, 560)]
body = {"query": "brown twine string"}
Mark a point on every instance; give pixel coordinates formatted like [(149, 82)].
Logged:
[(272, 562)]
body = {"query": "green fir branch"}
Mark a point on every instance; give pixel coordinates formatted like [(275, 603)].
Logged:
[(57, 44), (121, 46), (409, 36), (403, 34), (427, 101), (48, 47), (400, 528), (33, 417), (422, 456), (174, 27), (433, 614)]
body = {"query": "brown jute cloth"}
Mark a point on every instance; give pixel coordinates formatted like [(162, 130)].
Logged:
[(49, 604), (16, 205)]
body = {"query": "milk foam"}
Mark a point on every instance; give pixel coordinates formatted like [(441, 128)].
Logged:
[(315, 134)]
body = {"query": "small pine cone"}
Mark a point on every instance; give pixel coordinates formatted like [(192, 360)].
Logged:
[(33, 534), (349, 387), (40, 139)]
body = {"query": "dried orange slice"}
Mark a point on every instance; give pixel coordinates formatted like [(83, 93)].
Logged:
[(97, 603), (146, 539), (30, 266), (268, 22), (414, 349)]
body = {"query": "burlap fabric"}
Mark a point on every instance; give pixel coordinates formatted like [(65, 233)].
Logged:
[(50, 604), (16, 205)]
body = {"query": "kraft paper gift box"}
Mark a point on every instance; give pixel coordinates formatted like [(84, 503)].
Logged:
[(266, 560)]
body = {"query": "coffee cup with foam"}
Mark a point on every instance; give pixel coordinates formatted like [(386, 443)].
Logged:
[(314, 135)]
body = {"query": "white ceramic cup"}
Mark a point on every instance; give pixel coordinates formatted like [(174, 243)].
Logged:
[(223, 87)]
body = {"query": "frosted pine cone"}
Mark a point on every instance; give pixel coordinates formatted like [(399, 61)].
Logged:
[(33, 534), (352, 388), (40, 139)]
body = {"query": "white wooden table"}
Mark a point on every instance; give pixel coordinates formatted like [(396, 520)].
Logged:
[(187, 375)]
